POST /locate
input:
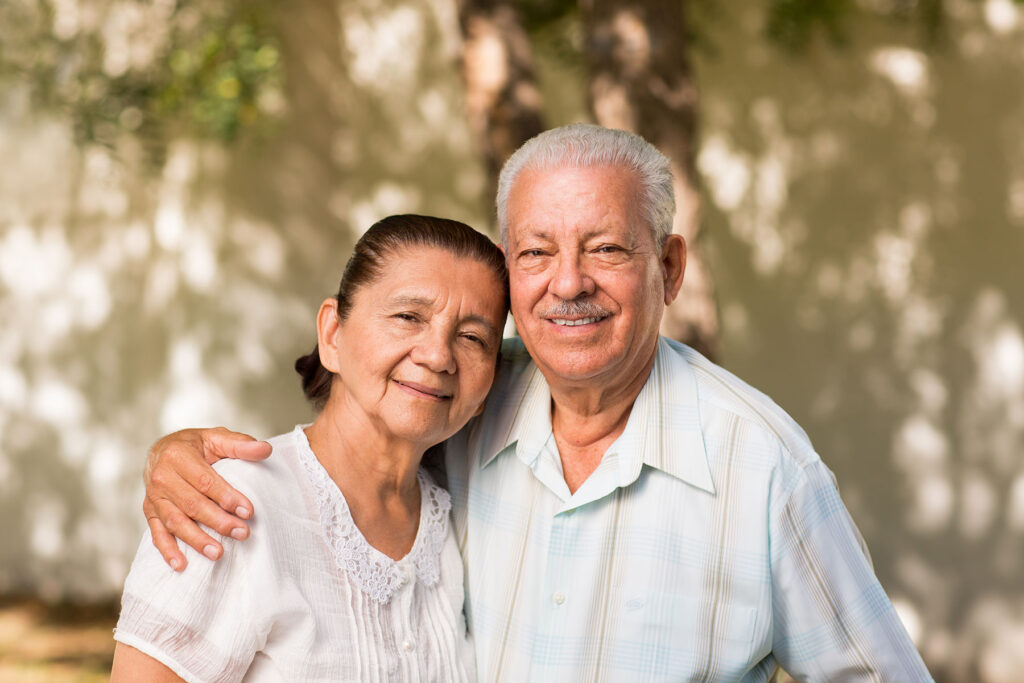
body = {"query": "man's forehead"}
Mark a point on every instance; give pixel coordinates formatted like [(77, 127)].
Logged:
[(580, 232), (577, 172), (541, 210)]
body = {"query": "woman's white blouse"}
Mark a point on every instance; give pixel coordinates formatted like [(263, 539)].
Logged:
[(305, 598)]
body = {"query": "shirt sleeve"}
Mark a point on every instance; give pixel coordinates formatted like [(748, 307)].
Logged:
[(202, 623), (833, 620)]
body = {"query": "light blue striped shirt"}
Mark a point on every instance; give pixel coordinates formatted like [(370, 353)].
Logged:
[(709, 543)]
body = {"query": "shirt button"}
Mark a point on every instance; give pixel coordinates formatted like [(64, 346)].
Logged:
[(558, 598), (408, 645)]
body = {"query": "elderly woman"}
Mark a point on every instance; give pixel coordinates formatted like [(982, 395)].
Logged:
[(354, 573)]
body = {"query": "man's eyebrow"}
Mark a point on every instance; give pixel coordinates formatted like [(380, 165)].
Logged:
[(530, 233)]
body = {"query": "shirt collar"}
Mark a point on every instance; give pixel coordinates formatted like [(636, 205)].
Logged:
[(522, 417), (663, 431)]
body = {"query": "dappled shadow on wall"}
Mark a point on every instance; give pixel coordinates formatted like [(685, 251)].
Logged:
[(154, 279)]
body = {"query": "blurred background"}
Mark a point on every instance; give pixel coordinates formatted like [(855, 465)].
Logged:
[(181, 183)]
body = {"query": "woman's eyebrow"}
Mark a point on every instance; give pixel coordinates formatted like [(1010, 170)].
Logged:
[(412, 300), (415, 301), (487, 324)]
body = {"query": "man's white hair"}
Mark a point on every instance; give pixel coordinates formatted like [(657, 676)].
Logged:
[(584, 145)]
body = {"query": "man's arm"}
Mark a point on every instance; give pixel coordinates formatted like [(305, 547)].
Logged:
[(833, 619), (182, 488)]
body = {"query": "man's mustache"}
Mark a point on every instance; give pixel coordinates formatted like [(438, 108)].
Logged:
[(575, 308)]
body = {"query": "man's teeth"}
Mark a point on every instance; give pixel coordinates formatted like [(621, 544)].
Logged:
[(574, 323)]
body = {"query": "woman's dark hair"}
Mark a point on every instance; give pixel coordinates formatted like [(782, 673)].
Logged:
[(369, 257)]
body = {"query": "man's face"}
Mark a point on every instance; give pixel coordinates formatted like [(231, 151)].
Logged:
[(587, 279)]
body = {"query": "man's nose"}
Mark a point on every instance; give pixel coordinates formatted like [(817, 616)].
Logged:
[(570, 279), (434, 351)]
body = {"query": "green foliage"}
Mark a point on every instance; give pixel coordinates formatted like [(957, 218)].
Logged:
[(218, 78), (554, 27), (540, 14), (211, 69), (793, 23)]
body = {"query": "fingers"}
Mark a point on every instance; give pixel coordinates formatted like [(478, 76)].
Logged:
[(180, 526), (196, 492), (183, 457), (163, 540), (211, 485), (222, 443)]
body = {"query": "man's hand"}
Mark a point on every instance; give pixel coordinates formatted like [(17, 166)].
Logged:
[(182, 487)]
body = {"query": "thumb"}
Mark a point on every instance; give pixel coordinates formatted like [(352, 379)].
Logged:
[(223, 443)]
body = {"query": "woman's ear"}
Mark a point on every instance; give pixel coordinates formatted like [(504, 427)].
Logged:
[(328, 327)]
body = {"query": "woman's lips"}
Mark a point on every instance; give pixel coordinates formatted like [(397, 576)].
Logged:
[(438, 394)]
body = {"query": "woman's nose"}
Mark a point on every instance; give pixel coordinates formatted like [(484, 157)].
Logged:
[(434, 352)]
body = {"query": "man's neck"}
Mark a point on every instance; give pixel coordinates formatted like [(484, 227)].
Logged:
[(586, 420)]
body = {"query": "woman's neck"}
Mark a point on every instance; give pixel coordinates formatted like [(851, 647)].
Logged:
[(376, 474)]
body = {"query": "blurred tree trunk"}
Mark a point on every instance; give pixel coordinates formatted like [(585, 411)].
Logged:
[(641, 80), (503, 102)]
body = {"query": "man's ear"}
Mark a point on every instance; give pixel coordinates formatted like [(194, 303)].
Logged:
[(673, 265), (328, 325)]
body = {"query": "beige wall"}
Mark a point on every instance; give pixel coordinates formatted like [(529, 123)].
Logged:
[(864, 217)]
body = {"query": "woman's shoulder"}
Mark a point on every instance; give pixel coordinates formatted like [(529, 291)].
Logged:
[(276, 480)]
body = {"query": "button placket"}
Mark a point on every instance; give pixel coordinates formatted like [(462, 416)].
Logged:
[(405, 634)]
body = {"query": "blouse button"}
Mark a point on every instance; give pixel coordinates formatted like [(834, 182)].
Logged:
[(405, 574), (408, 645)]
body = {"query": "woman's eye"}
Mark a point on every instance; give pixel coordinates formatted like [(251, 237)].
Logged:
[(409, 317), (475, 339)]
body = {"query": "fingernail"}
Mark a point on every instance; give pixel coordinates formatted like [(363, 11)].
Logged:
[(242, 512), (174, 564), (238, 533), (210, 551)]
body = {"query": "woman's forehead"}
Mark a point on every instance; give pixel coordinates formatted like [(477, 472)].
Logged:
[(435, 277)]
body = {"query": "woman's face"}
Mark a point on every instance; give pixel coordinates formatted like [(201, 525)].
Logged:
[(416, 354)]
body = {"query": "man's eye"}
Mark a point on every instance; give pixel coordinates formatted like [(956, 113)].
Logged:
[(608, 249), (531, 252), (408, 317)]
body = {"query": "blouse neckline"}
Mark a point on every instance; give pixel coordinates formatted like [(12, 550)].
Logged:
[(376, 574)]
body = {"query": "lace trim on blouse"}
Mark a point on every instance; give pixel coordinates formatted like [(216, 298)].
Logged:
[(375, 573)]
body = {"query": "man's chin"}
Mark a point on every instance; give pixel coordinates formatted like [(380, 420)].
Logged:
[(575, 366)]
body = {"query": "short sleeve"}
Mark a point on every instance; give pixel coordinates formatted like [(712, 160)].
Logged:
[(202, 623), (832, 617)]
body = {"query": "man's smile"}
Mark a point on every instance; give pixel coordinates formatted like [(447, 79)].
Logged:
[(565, 322)]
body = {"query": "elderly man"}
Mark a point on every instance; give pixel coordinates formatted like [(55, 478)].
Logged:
[(625, 508)]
